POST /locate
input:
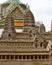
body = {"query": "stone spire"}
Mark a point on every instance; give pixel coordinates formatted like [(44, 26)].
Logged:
[(9, 31), (27, 7), (42, 28)]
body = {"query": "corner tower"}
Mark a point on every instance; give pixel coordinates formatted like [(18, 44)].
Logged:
[(9, 30)]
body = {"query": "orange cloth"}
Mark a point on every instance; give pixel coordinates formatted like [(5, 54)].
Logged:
[(15, 24), (18, 24)]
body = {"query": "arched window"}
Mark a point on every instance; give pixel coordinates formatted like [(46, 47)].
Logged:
[(9, 35), (41, 44)]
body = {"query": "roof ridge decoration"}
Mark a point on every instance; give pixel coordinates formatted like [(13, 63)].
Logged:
[(12, 6)]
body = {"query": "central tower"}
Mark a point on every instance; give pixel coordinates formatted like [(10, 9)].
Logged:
[(9, 30)]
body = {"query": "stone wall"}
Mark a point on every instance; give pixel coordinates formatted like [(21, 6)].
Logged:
[(24, 62)]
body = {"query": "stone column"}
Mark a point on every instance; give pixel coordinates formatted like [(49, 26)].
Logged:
[(5, 57), (22, 57), (14, 57), (1, 56), (26, 57), (9, 56)]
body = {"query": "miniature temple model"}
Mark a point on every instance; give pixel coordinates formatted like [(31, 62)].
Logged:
[(32, 46)]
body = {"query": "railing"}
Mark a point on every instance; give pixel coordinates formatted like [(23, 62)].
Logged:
[(24, 57)]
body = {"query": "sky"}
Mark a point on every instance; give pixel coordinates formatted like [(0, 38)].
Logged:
[(41, 9)]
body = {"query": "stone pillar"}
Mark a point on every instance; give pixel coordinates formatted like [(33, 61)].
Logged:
[(38, 57), (18, 57), (1, 56), (33, 57), (22, 57), (5, 57), (45, 57), (14, 57), (50, 56), (26, 57), (41, 57), (29, 57)]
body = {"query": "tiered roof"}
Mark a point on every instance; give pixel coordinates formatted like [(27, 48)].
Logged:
[(12, 6)]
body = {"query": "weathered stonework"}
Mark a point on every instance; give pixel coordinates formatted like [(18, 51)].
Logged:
[(33, 46)]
